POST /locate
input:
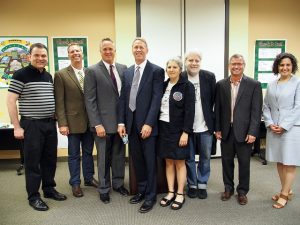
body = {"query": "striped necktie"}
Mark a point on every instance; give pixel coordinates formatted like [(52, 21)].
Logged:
[(81, 79)]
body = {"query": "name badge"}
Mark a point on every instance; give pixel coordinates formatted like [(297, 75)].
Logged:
[(177, 96)]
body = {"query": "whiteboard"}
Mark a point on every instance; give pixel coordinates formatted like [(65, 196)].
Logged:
[(172, 28)]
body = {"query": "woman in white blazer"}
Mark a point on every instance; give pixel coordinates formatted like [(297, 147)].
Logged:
[(282, 119)]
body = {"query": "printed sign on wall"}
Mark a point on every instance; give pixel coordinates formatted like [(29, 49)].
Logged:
[(14, 53)]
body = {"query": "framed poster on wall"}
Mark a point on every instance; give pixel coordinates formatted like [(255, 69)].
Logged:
[(265, 53), (14, 51), (60, 53)]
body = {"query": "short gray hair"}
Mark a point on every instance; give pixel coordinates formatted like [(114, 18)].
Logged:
[(177, 60), (188, 54)]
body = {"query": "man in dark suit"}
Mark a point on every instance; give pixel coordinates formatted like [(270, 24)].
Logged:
[(205, 85), (102, 86), (73, 121), (140, 100), (238, 114)]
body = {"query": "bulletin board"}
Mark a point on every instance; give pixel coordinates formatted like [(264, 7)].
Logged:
[(60, 53), (265, 53)]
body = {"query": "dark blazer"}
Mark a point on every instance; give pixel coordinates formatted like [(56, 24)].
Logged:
[(101, 96), (207, 93), (181, 106), (69, 101), (247, 110), (147, 101)]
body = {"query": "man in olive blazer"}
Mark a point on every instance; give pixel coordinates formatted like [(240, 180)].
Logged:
[(73, 120), (238, 110), (102, 88)]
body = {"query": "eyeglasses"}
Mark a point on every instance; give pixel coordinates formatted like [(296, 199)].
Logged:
[(236, 64)]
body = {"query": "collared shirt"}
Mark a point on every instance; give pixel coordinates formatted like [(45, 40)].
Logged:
[(118, 79), (234, 92), (76, 72), (142, 68)]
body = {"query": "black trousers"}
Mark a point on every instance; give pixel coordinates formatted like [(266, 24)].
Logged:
[(230, 148), (40, 155), (143, 155)]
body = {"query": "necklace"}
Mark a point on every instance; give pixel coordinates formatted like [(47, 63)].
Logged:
[(284, 80)]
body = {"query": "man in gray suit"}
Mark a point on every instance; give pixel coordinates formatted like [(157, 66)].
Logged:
[(102, 86), (238, 113)]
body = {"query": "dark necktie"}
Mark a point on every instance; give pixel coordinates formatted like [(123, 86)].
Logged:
[(134, 89), (113, 77)]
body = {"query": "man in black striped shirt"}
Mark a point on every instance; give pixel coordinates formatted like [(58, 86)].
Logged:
[(32, 87)]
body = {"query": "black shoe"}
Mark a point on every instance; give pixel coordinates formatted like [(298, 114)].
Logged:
[(55, 195), (105, 198), (147, 206), (166, 202), (192, 192), (137, 198), (122, 190), (38, 204), (202, 193), (92, 183), (177, 205)]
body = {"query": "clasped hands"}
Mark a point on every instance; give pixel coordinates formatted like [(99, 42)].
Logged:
[(249, 138), (145, 132), (276, 129)]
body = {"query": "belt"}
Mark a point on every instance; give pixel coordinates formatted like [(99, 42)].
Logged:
[(49, 119)]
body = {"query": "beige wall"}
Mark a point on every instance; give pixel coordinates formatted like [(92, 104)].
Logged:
[(125, 24), (274, 19), (238, 28)]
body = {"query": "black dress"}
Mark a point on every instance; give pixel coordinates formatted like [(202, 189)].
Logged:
[(181, 119)]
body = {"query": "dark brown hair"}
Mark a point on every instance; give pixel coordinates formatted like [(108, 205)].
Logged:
[(282, 56)]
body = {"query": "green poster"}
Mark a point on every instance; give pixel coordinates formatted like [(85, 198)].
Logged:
[(60, 53), (265, 53)]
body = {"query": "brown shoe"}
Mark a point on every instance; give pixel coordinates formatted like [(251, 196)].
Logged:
[(226, 195), (282, 201), (243, 200), (276, 196), (77, 192), (92, 183)]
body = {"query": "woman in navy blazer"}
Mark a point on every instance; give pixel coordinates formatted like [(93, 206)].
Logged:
[(175, 125)]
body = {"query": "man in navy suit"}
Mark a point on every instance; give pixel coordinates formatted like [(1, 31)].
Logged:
[(139, 105), (238, 114), (205, 85)]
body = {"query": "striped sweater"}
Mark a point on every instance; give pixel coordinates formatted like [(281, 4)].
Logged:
[(36, 92)]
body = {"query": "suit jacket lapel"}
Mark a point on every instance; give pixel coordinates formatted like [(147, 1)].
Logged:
[(130, 75), (202, 85), (243, 84), (107, 75), (73, 77), (228, 91), (144, 78)]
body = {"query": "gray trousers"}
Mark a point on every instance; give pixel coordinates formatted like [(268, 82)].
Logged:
[(110, 155)]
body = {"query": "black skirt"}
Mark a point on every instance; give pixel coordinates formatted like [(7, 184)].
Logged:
[(168, 143)]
